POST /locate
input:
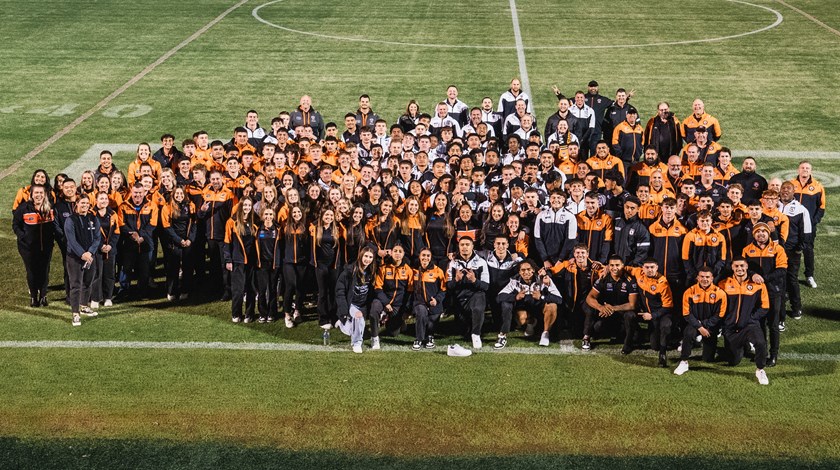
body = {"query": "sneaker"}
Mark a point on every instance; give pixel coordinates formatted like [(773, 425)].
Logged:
[(796, 314), (289, 322), (247, 320), (271, 319), (77, 320), (430, 342), (663, 360), (296, 316), (235, 319), (261, 320), (86, 311), (544, 339), (771, 361), (586, 345), (43, 301), (762, 376), (476, 341), (374, 343), (108, 303), (782, 327), (94, 305), (357, 348), (326, 326), (501, 342), (812, 282), (529, 329), (183, 296), (418, 345), (170, 298), (456, 350), (682, 368)]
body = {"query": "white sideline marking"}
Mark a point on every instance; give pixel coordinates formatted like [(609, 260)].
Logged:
[(785, 154), (565, 348), (812, 18), (520, 51), (90, 159), (779, 19), (104, 102)]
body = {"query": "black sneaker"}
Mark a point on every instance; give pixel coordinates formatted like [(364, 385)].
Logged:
[(501, 342), (663, 360), (797, 314), (34, 302), (418, 345), (782, 327), (430, 342), (261, 319), (586, 345), (625, 351), (43, 301), (771, 362)]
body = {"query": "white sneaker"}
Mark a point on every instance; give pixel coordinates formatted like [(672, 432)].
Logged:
[(170, 298), (94, 305), (108, 303), (456, 350), (544, 339), (289, 322), (374, 343), (812, 282), (476, 340), (326, 326), (762, 377), (682, 368), (77, 320), (86, 311), (357, 348)]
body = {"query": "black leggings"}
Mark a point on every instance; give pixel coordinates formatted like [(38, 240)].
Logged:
[(37, 263), (179, 260), (426, 319), (267, 288), (293, 276), (103, 283), (326, 277), (242, 285)]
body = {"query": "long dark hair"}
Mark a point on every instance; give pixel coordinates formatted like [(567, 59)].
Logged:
[(361, 273)]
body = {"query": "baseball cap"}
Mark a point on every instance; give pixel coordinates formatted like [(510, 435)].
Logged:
[(593, 83)]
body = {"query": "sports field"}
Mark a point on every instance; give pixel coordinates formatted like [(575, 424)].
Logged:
[(183, 387)]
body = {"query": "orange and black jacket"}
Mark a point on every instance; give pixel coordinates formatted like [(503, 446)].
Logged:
[(138, 219), (415, 240), (392, 283), (733, 231), (812, 196), (692, 122), (240, 248), (602, 166), (596, 232), (576, 280), (237, 185), (351, 241), (746, 303), (704, 307), (109, 230), (383, 235), (700, 248), (217, 215), (179, 228), (429, 283), (770, 262), (324, 254), (747, 225), (781, 222), (296, 249), (34, 230), (655, 293), (666, 241), (640, 173), (269, 247), (649, 212), (627, 141)]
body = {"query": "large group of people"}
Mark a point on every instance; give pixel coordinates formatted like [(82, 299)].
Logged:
[(595, 226)]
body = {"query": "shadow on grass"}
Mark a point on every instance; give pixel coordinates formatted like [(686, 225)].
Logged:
[(155, 454)]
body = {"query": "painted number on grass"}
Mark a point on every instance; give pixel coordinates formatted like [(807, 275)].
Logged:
[(58, 110), (828, 180)]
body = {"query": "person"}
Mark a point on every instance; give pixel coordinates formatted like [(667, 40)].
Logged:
[(177, 218), (747, 303), (306, 116), (106, 258), (610, 300), (703, 305), (703, 246), (412, 229), (531, 296), (663, 131), (666, 241), (595, 229), (632, 238), (64, 207), (811, 194), (365, 117), (39, 177), (296, 253), (468, 279), (269, 239), (586, 118), (576, 276), (798, 235), (143, 157), (429, 291), (555, 231), (627, 138), (602, 161), (240, 258), (768, 264), (752, 184), (698, 118), (508, 99), (457, 109), (655, 307), (408, 121), (32, 223), (599, 104), (616, 113), (168, 154), (325, 238), (383, 230), (216, 207), (138, 218), (353, 294), (390, 291), (81, 231)]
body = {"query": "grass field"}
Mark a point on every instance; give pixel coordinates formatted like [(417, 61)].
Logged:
[(774, 90)]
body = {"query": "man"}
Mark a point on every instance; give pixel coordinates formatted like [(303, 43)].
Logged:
[(706, 185), (627, 138), (215, 210), (798, 235), (576, 126), (700, 118), (531, 296), (513, 122), (703, 246), (365, 117), (507, 102), (256, 134), (724, 171), (614, 194), (586, 117), (137, 218), (632, 239), (468, 279), (658, 190), (555, 231), (490, 117), (595, 229), (640, 172), (603, 161), (655, 307), (599, 105), (457, 109), (167, 155), (708, 151), (811, 194), (576, 276), (443, 120), (703, 305), (615, 113), (662, 131), (752, 183), (674, 176), (747, 303), (767, 263), (612, 298), (502, 266), (306, 116)]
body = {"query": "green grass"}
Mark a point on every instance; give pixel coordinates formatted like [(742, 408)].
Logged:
[(773, 90)]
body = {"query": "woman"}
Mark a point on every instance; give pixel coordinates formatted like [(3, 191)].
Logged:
[(106, 257), (119, 189), (493, 227), (292, 200), (353, 228), (269, 268), (313, 201), (295, 259), (324, 235), (383, 229), (409, 120), (81, 230), (65, 206), (348, 186), (465, 224), (415, 189), (240, 258), (144, 154), (374, 200), (440, 230), (58, 181), (393, 279), (87, 187), (178, 220), (342, 209), (40, 178), (33, 226), (412, 229), (269, 201), (287, 182), (353, 292), (395, 195), (517, 239), (429, 290)]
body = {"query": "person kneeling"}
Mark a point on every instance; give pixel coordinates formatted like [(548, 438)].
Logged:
[(429, 291), (529, 295), (611, 297)]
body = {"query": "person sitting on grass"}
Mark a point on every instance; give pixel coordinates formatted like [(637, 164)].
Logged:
[(530, 295), (353, 294), (393, 280), (611, 296), (429, 291)]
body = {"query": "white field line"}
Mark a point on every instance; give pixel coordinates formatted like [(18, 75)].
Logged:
[(779, 19), (810, 17), (90, 159), (520, 52), (785, 154), (566, 348), (104, 102)]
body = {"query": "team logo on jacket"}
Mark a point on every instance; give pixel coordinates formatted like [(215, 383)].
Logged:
[(598, 223), (653, 288), (712, 296), (632, 231), (810, 188), (750, 287), (714, 239)]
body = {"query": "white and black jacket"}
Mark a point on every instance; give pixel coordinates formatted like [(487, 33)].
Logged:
[(550, 293)]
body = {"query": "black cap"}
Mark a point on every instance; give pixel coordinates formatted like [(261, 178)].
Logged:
[(593, 83), (517, 183), (632, 110), (701, 129)]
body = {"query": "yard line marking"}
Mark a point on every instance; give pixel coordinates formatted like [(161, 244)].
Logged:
[(520, 52), (90, 159), (785, 154), (810, 17), (566, 348), (67, 129), (779, 19)]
